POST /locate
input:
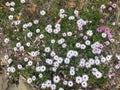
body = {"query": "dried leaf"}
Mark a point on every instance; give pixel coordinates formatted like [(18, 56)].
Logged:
[(32, 8), (118, 86), (59, 21), (3, 62)]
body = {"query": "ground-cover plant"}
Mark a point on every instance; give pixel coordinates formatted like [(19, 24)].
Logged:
[(63, 50)]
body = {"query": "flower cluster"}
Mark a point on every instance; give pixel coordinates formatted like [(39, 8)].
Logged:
[(59, 55)]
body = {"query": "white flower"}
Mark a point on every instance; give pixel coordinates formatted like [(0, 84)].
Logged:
[(47, 49), (104, 35), (64, 34), (76, 12), (85, 77), (10, 61), (41, 36), (56, 64), (29, 34), (71, 17), (97, 61), (38, 69), (55, 57), (48, 83), (52, 54), (65, 82), (78, 79), (25, 26), (103, 59), (91, 61), (87, 42), (7, 4), (33, 78), (69, 33), (29, 80), (53, 87), (70, 83), (12, 9), (84, 84), (21, 48), (56, 79), (18, 44), (72, 72), (88, 65), (42, 12), (82, 46), (61, 89), (43, 86), (10, 17), (77, 45), (19, 66), (52, 40), (60, 60), (30, 63), (37, 30), (98, 75), (36, 21), (66, 60), (42, 68), (108, 57), (28, 44), (6, 57), (6, 40), (25, 59), (61, 41), (12, 3), (49, 61), (22, 1), (29, 24), (12, 69), (40, 75), (89, 33), (64, 45), (62, 11)]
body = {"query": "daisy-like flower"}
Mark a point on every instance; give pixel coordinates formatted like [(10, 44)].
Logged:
[(77, 45), (12, 3), (29, 80), (104, 35), (69, 33), (49, 61), (82, 46), (78, 79), (33, 78), (19, 66), (41, 36), (87, 42), (61, 88), (72, 72), (84, 84), (71, 17), (70, 83), (42, 68), (76, 12), (40, 75), (42, 12), (12, 69), (29, 34), (10, 17), (7, 4), (89, 32), (12, 9), (36, 21), (6, 40), (30, 63), (56, 79), (102, 6), (53, 87), (43, 86), (65, 82), (37, 30), (85, 77), (47, 49), (66, 60), (22, 1)]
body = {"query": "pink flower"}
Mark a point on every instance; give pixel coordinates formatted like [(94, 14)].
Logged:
[(85, 37), (107, 30), (99, 29), (117, 66), (114, 5), (112, 40), (103, 6), (81, 34), (101, 46), (107, 43), (101, 20), (110, 8)]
